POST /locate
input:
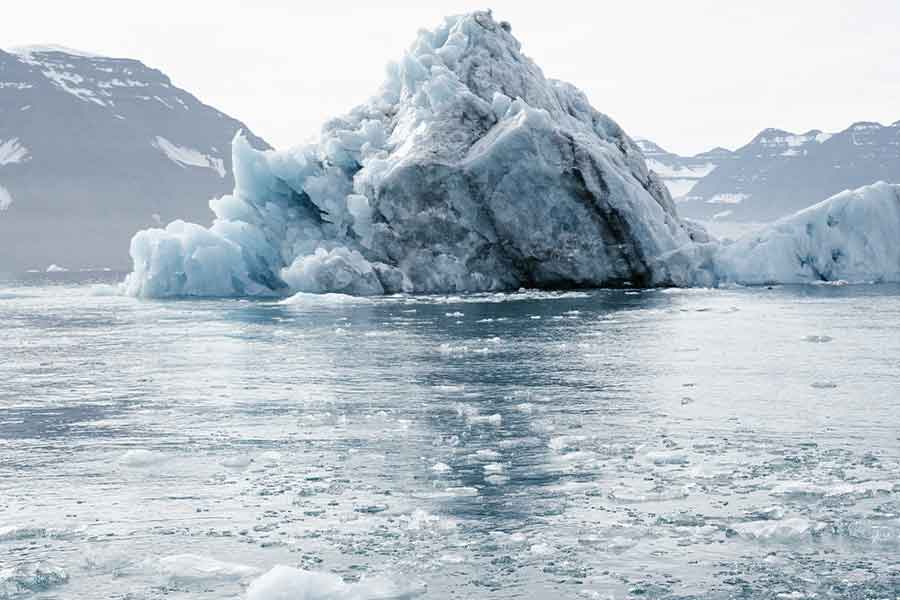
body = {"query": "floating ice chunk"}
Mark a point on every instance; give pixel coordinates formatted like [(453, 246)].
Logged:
[(307, 299), (542, 549), (783, 530), (668, 458), (497, 479), (487, 454), (441, 467), (237, 462), (54, 268), (12, 533), (476, 419), (142, 458), (37, 578), (270, 457), (286, 583), (183, 569)]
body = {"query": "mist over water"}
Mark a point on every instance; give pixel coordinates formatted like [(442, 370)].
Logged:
[(655, 444)]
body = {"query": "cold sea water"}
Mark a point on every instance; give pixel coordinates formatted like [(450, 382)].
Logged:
[(737, 443)]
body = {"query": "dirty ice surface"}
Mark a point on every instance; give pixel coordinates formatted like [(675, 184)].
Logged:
[(599, 444)]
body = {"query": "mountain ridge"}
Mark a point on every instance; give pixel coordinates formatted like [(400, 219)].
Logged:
[(92, 147)]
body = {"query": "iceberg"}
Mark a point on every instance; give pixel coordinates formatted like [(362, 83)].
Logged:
[(468, 171), (851, 237)]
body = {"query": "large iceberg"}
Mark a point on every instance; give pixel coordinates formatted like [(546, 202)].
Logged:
[(471, 171), (468, 171), (853, 236)]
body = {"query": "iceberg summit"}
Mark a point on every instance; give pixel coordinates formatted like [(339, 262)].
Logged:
[(471, 171)]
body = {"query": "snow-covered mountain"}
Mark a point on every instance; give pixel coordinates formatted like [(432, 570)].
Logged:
[(779, 173), (681, 173), (91, 148)]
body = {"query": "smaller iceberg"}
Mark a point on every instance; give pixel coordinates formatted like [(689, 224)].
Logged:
[(853, 236)]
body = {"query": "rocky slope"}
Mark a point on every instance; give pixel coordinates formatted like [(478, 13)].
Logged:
[(92, 148)]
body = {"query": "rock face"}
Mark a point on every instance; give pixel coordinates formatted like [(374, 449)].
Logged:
[(468, 171), (93, 148), (779, 172)]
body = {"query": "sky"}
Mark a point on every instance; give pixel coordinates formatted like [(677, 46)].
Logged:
[(690, 75)]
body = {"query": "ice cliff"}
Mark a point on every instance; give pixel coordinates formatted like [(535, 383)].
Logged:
[(853, 236), (471, 171)]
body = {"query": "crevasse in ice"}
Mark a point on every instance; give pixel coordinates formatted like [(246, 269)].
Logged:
[(468, 171)]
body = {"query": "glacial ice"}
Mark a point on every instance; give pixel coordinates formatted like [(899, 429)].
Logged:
[(287, 583), (469, 171), (853, 237)]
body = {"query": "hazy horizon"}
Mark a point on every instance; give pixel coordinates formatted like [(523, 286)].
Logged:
[(689, 77)]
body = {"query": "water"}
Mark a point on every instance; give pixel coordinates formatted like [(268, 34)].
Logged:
[(605, 444)]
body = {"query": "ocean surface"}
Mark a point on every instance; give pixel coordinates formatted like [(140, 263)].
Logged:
[(738, 443)]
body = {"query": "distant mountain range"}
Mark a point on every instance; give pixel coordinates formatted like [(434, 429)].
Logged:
[(778, 172), (94, 148)]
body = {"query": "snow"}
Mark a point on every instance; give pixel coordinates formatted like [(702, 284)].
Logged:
[(468, 171), (43, 48), (12, 151), (734, 198), (852, 236), (680, 171), (6, 199), (188, 157)]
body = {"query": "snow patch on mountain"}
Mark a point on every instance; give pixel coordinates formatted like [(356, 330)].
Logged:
[(12, 151), (6, 199), (188, 157), (31, 50)]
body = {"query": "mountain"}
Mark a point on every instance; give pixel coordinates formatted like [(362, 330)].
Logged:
[(779, 172), (92, 148), (681, 173)]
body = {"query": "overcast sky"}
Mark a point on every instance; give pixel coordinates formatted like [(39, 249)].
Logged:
[(690, 74)]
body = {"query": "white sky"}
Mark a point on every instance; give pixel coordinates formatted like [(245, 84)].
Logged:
[(689, 74)]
